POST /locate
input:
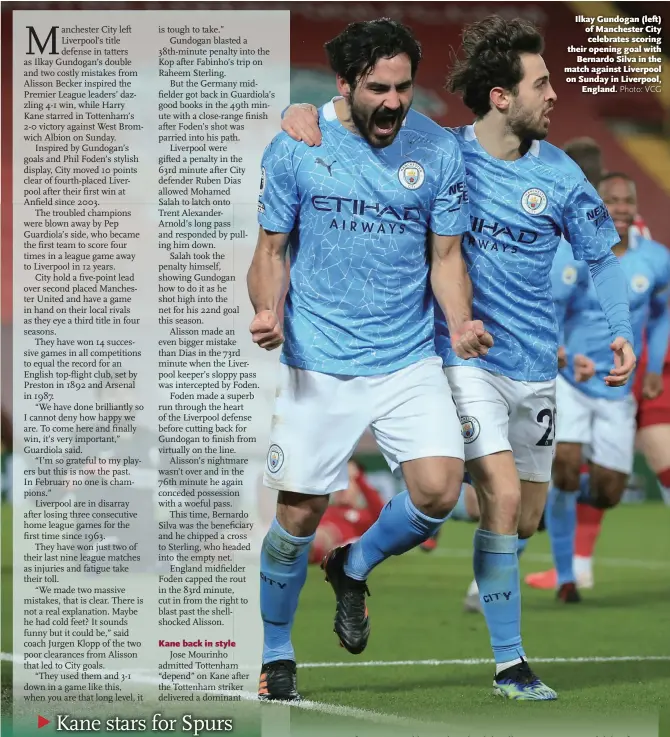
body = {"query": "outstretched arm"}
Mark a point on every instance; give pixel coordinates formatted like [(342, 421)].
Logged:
[(589, 229), (612, 291)]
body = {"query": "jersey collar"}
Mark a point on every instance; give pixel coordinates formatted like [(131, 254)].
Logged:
[(329, 110), (470, 135)]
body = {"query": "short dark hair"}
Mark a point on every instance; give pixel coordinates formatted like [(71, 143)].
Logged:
[(354, 52), (492, 49), (616, 175), (586, 153)]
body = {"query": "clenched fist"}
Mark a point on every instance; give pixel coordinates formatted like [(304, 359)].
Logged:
[(266, 330), (584, 368), (562, 357), (472, 340)]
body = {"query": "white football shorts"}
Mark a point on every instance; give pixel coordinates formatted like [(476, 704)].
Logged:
[(319, 419), (498, 414), (605, 427)]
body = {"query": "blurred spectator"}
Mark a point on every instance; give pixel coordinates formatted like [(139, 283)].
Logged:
[(351, 512), (586, 153)]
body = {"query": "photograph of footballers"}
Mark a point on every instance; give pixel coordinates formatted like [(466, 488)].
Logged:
[(571, 289)]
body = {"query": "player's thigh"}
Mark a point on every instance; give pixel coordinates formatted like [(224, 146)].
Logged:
[(567, 466), (414, 415), (533, 501), (417, 429), (532, 428), (317, 422), (613, 440), (482, 409), (654, 442)]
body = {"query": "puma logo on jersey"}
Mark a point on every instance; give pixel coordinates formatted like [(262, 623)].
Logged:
[(327, 166)]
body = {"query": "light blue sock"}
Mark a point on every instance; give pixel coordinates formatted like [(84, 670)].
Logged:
[(284, 561), (399, 528), (561, 518), (497, 574), (584, 495), (460, 513), (521, 546)]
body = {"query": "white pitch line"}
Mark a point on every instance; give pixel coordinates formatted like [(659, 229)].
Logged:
[(652, 565), (377, 717), (351, 712), (484, 661)]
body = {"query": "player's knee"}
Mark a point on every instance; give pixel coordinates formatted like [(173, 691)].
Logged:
[(526, 530), (434, 485), (606, 499), (438, 498), (500, 507), (529, 519), (528, 525), (300, 514), (607, 490)]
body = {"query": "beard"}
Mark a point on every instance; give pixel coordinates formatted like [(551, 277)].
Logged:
[(379, 127), (528, 126)]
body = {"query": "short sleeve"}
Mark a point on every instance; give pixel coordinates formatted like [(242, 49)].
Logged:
[(587, 225), (450, 212), (278, 200), (662, 286)]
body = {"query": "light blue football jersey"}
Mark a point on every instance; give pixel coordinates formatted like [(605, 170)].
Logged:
[(646, 265), (567, 277), (519, 211), (359, 301)]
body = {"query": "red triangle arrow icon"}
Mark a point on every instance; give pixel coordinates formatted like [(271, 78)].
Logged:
[(42, 722)]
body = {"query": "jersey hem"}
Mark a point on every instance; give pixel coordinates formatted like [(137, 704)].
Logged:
[(423, 453), (450, 235), (536, 478), (513, 375), (347, 370), (294, 488), (581, 387)]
